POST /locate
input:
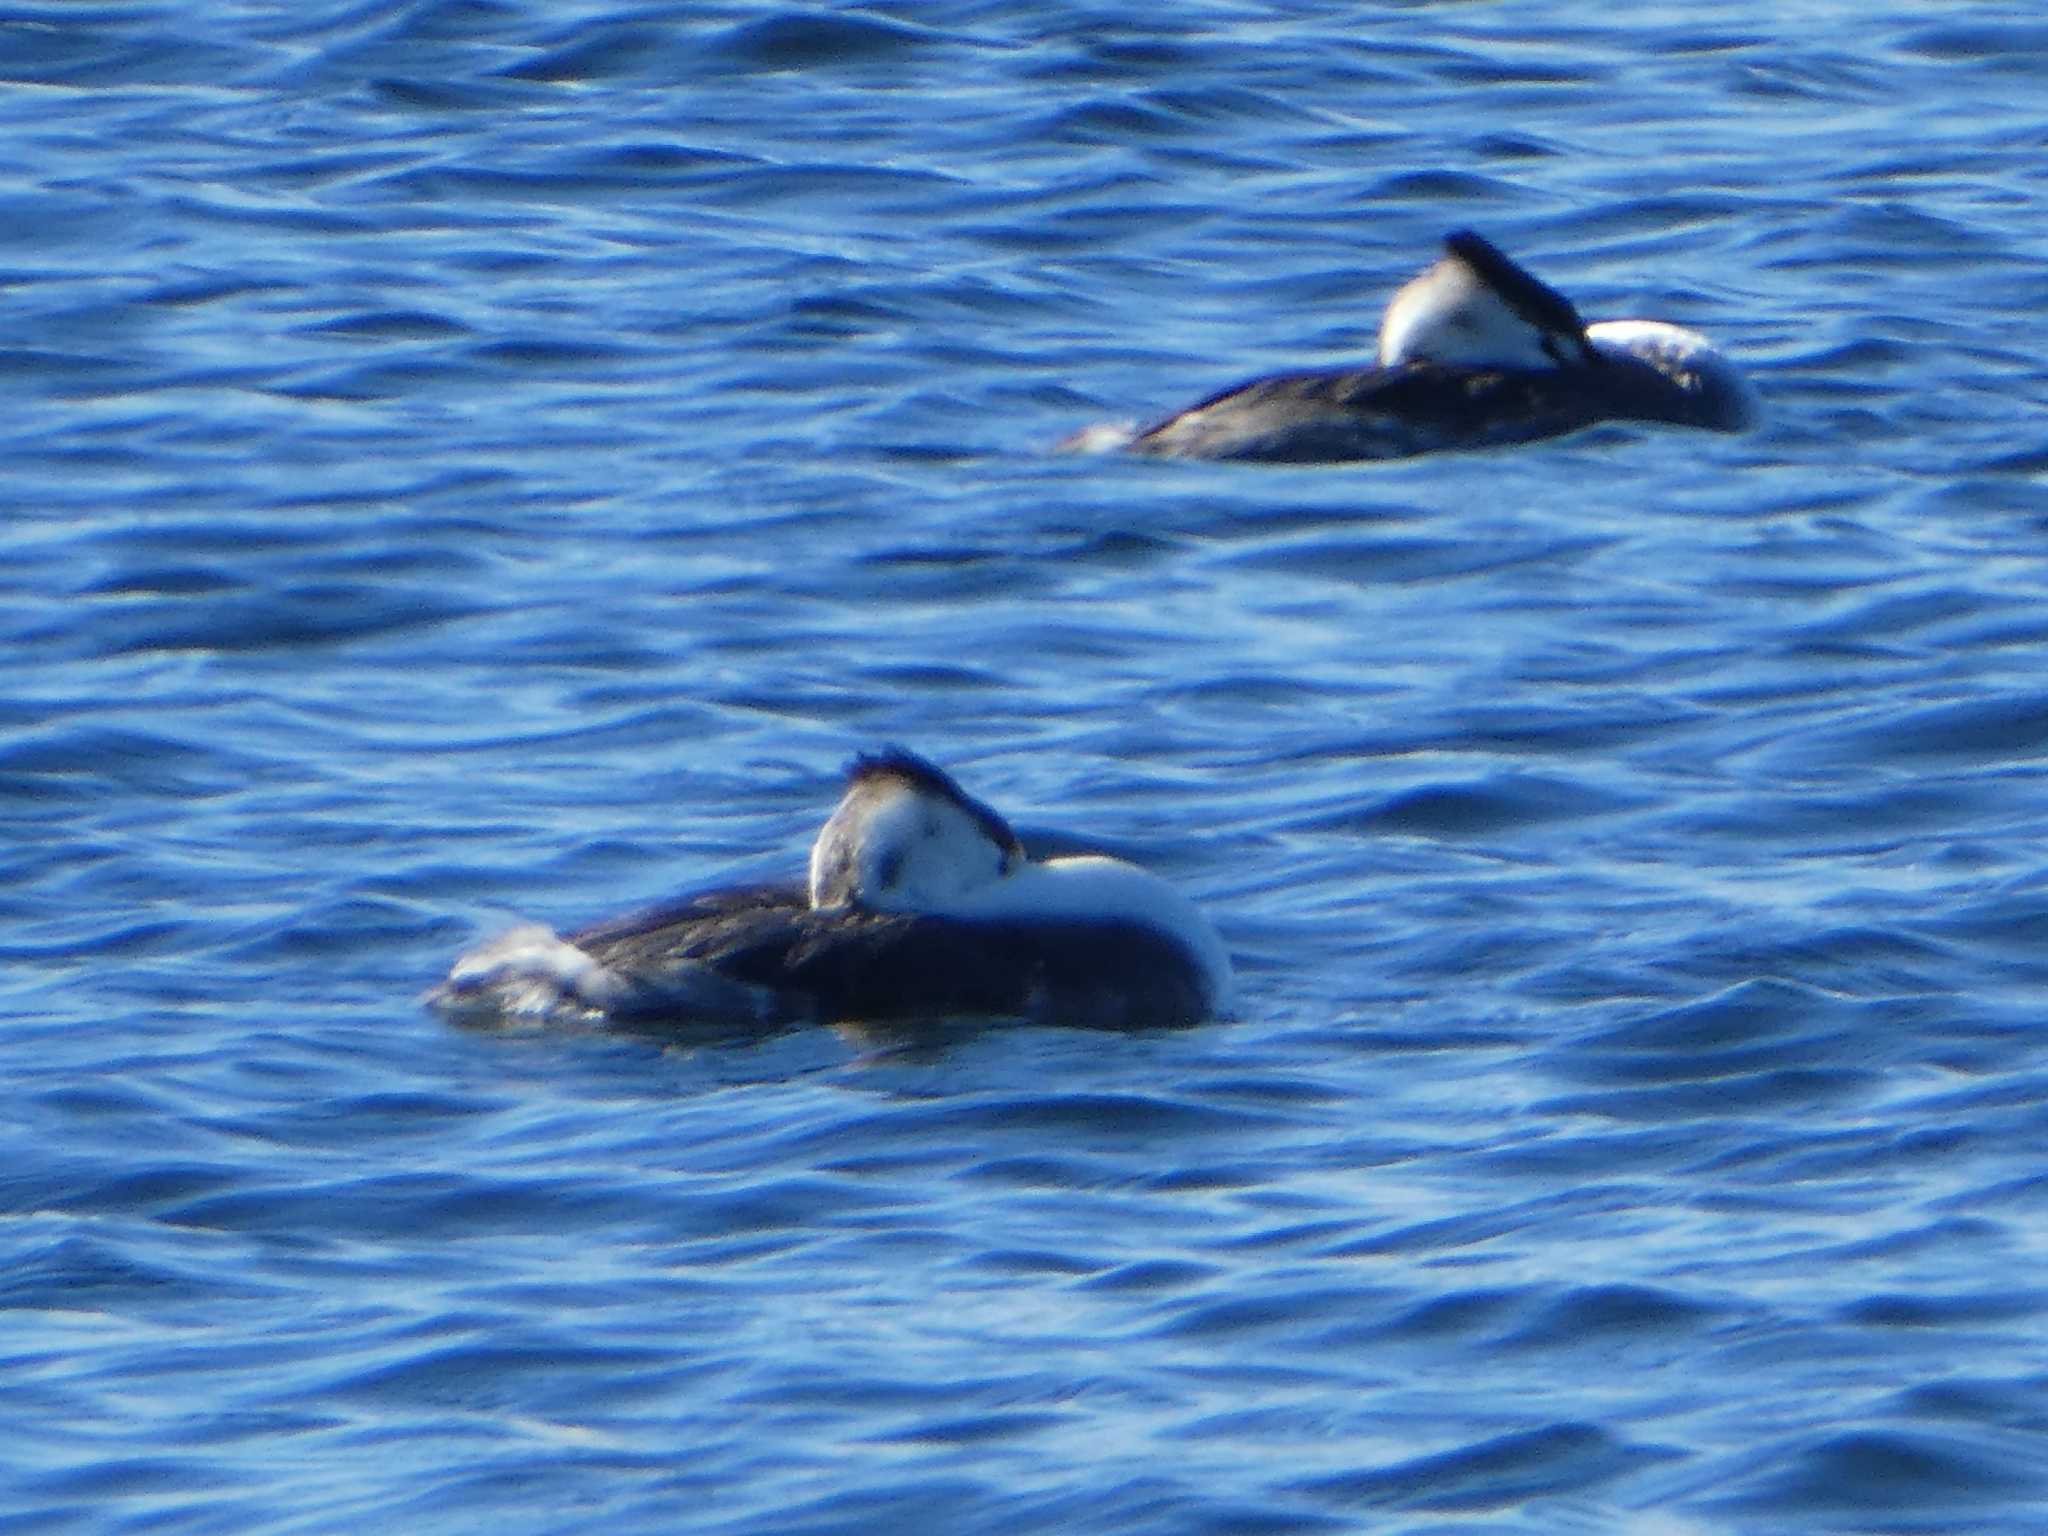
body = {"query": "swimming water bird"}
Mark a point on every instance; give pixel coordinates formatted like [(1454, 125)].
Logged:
[(1473, 352), (921, 903)]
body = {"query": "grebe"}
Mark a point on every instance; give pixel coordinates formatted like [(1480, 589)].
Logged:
[(1473, 352), (921, 903)]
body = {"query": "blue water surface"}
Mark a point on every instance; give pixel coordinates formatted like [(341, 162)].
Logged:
[(471, 460)]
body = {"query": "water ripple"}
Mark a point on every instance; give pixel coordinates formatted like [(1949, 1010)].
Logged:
[(472, 461)]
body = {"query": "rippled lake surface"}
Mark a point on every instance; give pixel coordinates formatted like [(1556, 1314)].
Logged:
[(470, 460)]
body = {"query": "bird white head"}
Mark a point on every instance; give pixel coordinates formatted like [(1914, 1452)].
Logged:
[(1474, 308), (906, 838)]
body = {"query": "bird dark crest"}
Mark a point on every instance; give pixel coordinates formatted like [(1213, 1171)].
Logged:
[(922, 774), (1528, 296)]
